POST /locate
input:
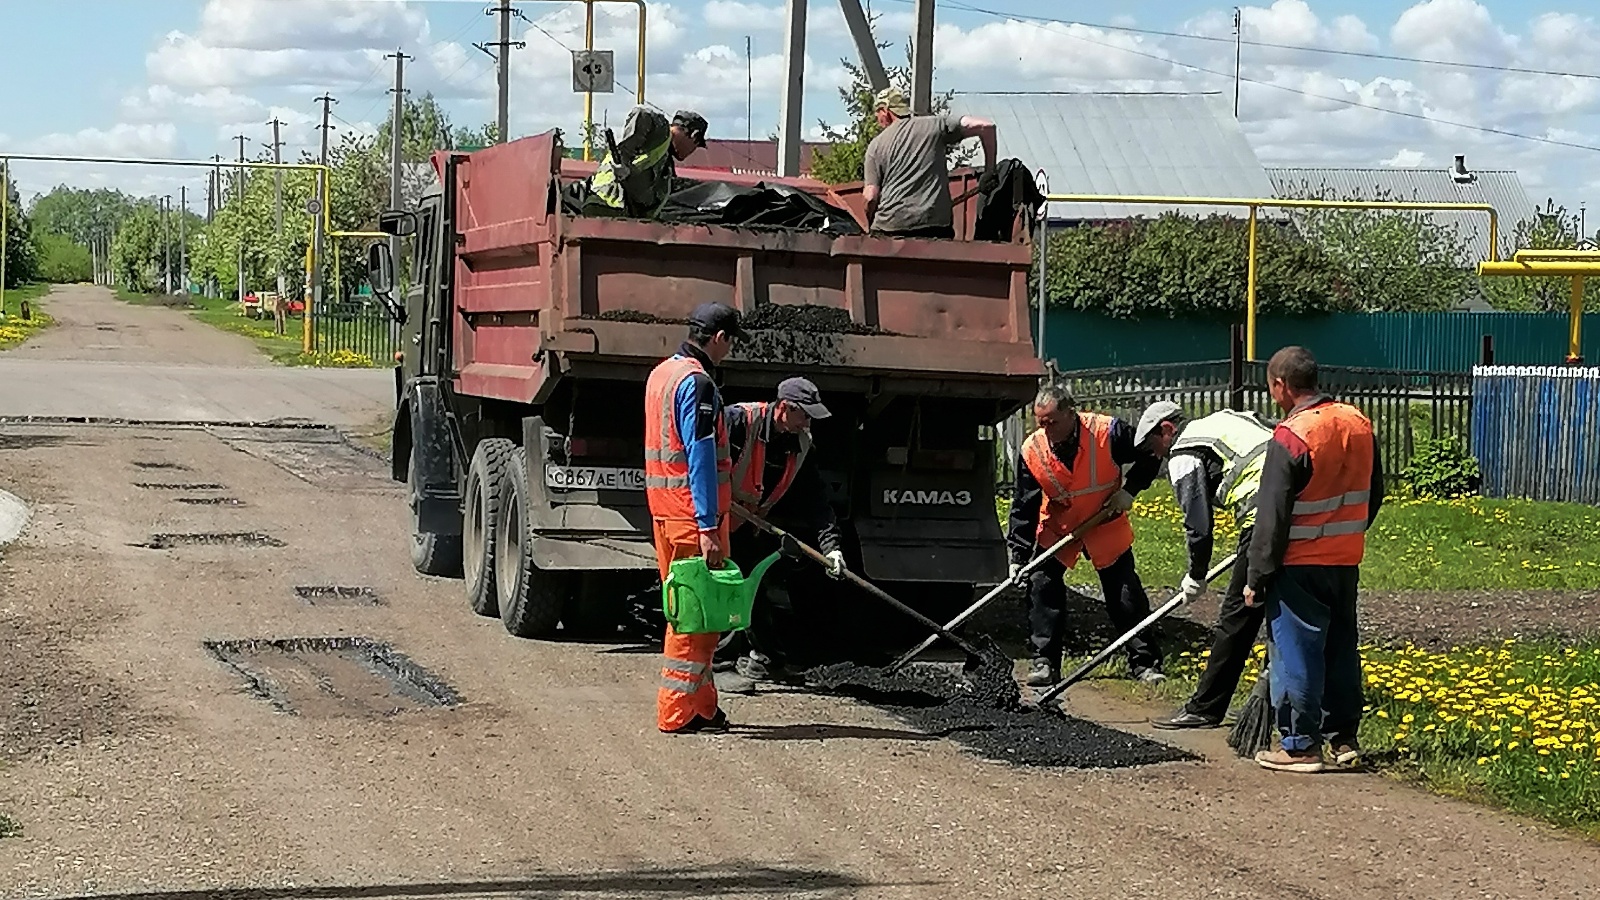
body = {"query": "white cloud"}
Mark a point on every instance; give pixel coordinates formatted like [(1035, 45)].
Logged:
[(1455, 30), (219, 104), (159, 139), (185, 61), (1050, 56), (1406, 158), (311, 24)]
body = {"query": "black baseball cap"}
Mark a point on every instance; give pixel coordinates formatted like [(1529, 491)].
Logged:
[(802, 393), (694, 123), (714, 317)]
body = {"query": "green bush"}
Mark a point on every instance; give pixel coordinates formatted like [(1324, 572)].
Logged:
[(62, 260), (1442, 468)]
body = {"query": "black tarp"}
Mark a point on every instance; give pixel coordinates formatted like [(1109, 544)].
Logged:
[(721, 203)]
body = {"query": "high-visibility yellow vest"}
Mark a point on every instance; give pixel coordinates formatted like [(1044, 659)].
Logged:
[(1240, 439), (605, 186)]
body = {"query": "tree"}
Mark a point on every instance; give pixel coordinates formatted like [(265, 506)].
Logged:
[(1182, 266), (21, 262), (1552, 228), (62, 260), (844, 159), (80, 214), (474, 138), (143, 250), (1393, 261)]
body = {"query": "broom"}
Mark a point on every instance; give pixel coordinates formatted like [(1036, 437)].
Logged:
[(1252, 733)]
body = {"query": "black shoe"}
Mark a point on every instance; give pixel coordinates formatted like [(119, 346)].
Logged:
[(1044, 673), (1184, 719), (717, 724), (733, 683), (755, 666)]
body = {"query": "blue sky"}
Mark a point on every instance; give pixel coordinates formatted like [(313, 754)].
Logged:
[(179, 77)]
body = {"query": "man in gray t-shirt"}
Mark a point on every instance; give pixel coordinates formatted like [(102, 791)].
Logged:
[(907, 179)]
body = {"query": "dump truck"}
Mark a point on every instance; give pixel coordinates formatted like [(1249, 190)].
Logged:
[(529, 331)]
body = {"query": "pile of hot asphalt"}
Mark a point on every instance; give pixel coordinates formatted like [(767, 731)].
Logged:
[(982, 711)]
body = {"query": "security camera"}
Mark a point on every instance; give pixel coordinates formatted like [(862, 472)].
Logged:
[(1459, 172)]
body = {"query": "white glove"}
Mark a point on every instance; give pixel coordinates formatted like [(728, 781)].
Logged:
[(1193, 588), (835, 565), (1015, 568), (1121, 502)]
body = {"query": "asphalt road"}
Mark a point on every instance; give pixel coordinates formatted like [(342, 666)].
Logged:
[(138, 763)]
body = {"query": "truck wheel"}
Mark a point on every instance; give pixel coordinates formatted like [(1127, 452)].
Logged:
[(531, 600), (489, 467), (431, 554)]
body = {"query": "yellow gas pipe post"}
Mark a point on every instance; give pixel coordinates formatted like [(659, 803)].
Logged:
[(1575, 321), (1250, 293), (588, 96)]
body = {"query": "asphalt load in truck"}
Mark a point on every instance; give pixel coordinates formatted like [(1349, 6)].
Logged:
[(768, 316), (983, 712)]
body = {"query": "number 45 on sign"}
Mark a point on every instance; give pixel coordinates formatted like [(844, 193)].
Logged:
[(592, 72)]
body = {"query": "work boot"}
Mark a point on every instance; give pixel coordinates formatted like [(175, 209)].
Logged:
[(1184, 719), (733, 683), (756, 666), (717, 724), (1346, 752), (1149, 675), (1304, 762), (1044, 673)]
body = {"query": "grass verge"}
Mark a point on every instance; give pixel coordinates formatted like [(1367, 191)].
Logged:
[(1514, 725), (1471, 543), (284, 349), (15, 329)]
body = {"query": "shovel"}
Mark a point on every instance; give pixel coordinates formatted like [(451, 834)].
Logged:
[(1002, 587), (1176, 601), (816, 556)]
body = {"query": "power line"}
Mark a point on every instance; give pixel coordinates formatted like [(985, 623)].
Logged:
[(1291, 90), (1330, 51)]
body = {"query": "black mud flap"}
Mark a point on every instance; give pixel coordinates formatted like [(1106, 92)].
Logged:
[(433, 449)]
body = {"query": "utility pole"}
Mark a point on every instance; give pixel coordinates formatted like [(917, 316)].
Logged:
[(794, 65), (166, 245), (502, 63), (396, 146), (183, 238), (239, 186), (1238, 54), (277, 199), (318, 218), (749, 91)]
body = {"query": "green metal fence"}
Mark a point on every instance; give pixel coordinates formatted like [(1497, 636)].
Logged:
[(359, 325), (1429, 342)]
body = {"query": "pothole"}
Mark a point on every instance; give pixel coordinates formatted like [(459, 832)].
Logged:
[(337, 595), (169, 466), (210, 501), (333, 676), (178, 485), (211, 539), (35, 441)]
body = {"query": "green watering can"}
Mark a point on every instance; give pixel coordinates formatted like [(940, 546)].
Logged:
[(697, 600)]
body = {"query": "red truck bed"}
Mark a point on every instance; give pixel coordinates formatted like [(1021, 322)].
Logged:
[(540, 294)]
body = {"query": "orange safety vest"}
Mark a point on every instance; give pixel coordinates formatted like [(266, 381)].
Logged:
[(1328, 522), (1072, 496), (666, 459), (750, 468)]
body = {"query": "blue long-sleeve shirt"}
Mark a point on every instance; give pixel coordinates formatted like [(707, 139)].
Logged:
[(697, 408)]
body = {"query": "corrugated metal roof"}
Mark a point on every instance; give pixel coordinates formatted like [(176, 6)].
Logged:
[(1177, 145), (1499, 188)]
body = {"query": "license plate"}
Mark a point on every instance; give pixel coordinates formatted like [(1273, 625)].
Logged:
[(584, 478)]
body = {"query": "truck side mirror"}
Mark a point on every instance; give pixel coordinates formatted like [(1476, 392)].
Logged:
[(380, 269), (397, 222)]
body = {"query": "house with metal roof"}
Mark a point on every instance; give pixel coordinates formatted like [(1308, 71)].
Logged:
[(1500, 188), (1154, 144)]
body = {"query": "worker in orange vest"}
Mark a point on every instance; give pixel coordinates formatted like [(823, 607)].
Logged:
[(688, 472), (1070, 468), (771, 444), (1321, 489)]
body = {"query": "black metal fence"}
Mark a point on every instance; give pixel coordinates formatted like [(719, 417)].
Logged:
[(357, 325), (1402, 405)]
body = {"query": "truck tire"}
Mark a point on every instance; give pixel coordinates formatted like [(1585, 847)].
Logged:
[(431, 554), (531, 599), (490, 462)]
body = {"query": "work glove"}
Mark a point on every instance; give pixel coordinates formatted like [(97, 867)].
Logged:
[(1015, 568), (1121, 502), (835, 565), (1193, 588), (988, 181)]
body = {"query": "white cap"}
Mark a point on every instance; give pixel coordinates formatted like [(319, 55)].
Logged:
[(1154, 414)]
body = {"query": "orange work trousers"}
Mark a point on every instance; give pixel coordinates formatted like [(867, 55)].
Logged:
[(686, 687)]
